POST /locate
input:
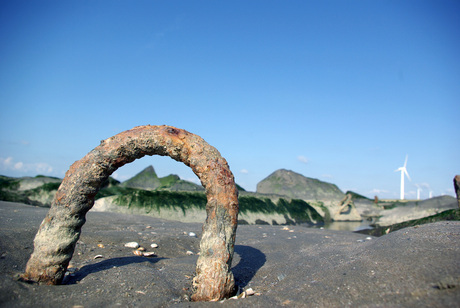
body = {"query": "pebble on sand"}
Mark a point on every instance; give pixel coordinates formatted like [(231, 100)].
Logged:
[(132, 245)]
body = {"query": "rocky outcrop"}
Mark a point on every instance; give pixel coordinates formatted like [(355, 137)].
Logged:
[(146, 179), (27, 183), (346, 210), (416, 210), (457, 188), (38, 191), (190, 207), (294, 185)]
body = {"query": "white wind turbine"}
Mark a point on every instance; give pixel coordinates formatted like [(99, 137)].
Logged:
[(419, 189), (403, 171)]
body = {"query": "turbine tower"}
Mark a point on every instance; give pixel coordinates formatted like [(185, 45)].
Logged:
[(403, 171), (419, 189)]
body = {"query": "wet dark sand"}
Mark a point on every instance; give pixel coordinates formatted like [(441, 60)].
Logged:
[(413, 267)]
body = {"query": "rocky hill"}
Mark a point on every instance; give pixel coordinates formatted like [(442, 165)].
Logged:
[(294, 185), (147, 179)]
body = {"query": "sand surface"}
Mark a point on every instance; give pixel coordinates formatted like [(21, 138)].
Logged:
[(299, 267)]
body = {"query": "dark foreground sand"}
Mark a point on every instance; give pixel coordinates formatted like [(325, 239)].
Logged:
[(300, 267)]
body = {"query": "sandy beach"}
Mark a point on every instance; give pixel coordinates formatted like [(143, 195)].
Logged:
[(294, 266)]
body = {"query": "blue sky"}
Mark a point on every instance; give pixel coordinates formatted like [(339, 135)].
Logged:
[(341, 91)]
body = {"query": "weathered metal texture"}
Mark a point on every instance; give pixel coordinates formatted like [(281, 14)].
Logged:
[(55, 241), (457, 188)]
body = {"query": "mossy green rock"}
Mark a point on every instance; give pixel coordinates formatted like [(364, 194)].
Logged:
[(294, 185), (146, 179)]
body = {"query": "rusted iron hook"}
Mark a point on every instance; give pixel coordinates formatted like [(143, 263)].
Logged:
[(59, 232)]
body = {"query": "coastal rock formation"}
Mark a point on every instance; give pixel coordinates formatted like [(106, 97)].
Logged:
[(294, 185), (346, 210), (416, 209), (146, 179)]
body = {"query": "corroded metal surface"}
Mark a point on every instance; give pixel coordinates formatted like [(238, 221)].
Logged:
[(55, 241), (457, 188)]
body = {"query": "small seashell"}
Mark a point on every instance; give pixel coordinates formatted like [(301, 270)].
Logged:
[(148, 227), (291, 230), (368, 238), (98, 256), (141, 248), (138, 253), (132, 245), (192, 234), (286, 228), (189, 252), (100, 245), (149, 254), (154, 245), (249, 292)]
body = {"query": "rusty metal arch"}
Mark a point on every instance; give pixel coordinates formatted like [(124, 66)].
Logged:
[(59, 232)]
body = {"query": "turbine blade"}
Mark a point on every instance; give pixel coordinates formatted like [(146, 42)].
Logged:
[(407, 174), (405, 162)]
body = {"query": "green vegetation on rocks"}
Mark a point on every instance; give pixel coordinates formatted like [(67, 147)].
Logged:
[(284, 197), (146, 179), (42, 193), (157, 200), (453, 214), (294, 185), (296, 210)]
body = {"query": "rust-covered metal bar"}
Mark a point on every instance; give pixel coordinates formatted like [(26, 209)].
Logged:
[(457, 188), (59, 232)]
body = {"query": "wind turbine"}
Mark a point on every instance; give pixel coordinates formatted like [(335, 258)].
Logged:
[(419, 189), (403, 171)]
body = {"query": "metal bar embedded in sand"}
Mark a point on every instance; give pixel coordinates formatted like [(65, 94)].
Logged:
[(59, 232)]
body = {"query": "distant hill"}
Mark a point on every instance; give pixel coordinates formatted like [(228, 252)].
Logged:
[(146, 179), (294, 185)]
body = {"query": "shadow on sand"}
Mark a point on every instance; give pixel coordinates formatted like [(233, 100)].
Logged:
[(105, 265), (251, 261)]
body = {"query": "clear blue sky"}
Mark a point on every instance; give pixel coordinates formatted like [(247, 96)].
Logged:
[(341, 91)]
